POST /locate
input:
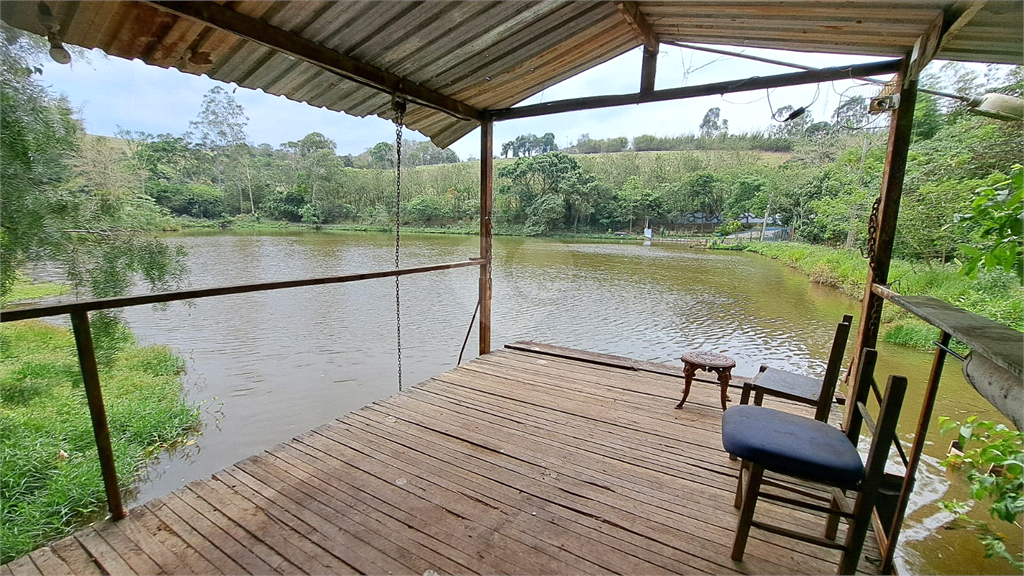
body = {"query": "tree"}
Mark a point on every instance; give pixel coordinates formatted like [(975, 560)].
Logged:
[(998, 212), (221, 123), (69, 199), (713, 124), (544, 192), (219, 129), (382, 156), (313, 157), (634, 201)]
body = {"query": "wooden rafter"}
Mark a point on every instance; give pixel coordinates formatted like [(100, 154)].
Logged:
[(260, 32), (646, 34), (958, 19), (942, 30)]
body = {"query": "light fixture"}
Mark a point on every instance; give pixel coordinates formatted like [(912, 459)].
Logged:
[(998, 106), (58, 52)]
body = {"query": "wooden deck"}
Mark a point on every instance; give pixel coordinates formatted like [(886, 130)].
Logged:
[(523, 461)]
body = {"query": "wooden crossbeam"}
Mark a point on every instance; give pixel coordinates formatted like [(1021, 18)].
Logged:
[(260, 32), (727, 87)]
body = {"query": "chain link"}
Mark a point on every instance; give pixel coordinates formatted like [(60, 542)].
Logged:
[(399, 122)]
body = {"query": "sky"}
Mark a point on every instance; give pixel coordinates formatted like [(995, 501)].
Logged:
[(113, 93)]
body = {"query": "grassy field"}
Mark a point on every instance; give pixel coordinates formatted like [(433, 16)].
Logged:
[(993, 295), (25, 289), (50, 480)]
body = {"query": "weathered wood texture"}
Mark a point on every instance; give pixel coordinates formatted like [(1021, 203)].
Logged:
[(517, 462)]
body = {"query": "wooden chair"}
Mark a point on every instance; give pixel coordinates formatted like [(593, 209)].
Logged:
[(804, 448), (800, 388)]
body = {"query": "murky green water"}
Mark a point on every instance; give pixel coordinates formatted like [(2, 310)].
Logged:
[(269, 366)]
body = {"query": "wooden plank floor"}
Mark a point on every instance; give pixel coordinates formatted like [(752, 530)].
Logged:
[(539, 461)]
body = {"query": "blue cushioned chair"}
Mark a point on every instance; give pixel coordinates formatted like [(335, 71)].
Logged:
[(811, 450)]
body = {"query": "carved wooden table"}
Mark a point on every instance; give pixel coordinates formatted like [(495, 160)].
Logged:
[(709, 362)]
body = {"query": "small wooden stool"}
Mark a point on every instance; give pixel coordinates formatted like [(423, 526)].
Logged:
[(709, 362)]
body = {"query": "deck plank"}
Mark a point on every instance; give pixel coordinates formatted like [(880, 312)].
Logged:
[(532, 459), (48, 563), (71, 552)]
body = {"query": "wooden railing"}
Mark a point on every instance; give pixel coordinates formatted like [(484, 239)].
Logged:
[(1000, 344), (79, 312)]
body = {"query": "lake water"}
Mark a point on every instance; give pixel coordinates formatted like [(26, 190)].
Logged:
[(269, 366)]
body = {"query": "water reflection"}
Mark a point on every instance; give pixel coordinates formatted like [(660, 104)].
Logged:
[(269, 366)]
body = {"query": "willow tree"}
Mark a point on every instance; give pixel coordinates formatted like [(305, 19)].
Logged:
[(67, 198)]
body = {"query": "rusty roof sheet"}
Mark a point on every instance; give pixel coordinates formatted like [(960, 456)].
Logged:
[(492, 55)]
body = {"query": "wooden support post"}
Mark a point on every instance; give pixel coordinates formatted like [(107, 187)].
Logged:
[(486, 205), (649, 70), (94, 397), (931, 393), (644, 33), (900, 132)]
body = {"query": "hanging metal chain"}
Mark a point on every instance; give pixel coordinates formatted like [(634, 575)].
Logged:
[(399, 107), (875, 314), (873, 230)]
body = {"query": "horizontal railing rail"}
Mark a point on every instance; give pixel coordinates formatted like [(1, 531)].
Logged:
[(45, 310), (79, 312)]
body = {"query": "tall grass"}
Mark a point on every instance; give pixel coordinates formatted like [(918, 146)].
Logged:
[(994, 295), (50, 480)]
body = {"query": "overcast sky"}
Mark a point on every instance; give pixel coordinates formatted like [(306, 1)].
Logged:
[(111, 93)]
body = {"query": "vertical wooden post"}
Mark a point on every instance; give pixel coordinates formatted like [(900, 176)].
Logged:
[(486, 207), (648, 69), (900, 132), (931, 393), (94, 397)]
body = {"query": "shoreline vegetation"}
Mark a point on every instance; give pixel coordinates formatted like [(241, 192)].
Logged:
[(50, 481)]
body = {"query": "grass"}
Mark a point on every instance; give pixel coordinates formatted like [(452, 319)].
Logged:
[(994, 295), (25, 289), (50, 482)]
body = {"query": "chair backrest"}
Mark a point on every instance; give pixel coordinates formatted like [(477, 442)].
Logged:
[(883, 438), (835, 365)]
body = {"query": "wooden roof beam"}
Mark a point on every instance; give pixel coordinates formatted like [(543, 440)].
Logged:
[(943, 28), (260, 32), (646, 34), (728, 87), (957, 18)]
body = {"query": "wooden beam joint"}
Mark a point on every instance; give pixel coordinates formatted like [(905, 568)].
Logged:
[(648, 37), (260, 32)]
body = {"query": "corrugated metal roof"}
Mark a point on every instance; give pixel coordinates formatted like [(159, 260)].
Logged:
[(492, 55)]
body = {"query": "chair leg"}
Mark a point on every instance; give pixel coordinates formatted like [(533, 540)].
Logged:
[(739, 485), (858, 531), (832, 524), (758, 398), (747, 511)]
